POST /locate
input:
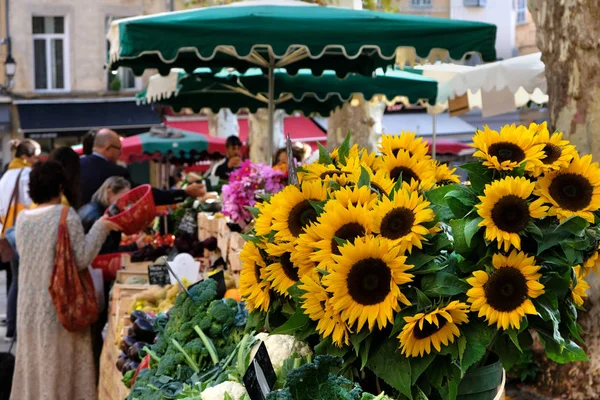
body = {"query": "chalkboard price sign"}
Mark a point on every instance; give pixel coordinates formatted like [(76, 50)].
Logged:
[(158, 274), (260, 376)]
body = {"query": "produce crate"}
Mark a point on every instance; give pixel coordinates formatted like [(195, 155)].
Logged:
[(209, 225), (233, 259), (124, 274), (123, 297), (223, 241), (236, 241), (134, 266)]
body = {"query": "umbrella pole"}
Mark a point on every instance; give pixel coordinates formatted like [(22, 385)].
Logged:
[(434, 128), (271, 109)]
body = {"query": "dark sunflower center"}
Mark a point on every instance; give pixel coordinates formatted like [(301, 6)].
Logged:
[(553, 153), (349, 232), (396, 151), (332, 173), (511, 214), (506, 151), (397, 223), (429, 328), (369, 281), (300, 217), (572, 192), (506, 289), (445, 182), (290, 270), (406, 173), (257, 272), (378, 188)]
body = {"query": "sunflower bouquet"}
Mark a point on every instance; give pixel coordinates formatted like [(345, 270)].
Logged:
[(416, 279)]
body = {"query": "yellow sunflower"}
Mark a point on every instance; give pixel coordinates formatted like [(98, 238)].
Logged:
[(283, 273), (572, 191), (391, 145), (558, 152), (436, 328), (365, 282), (508, 149), (444, 175), (346, 223), (379, 180), (303, 249), (506, 212), (503, 297), (579, 291), (323, 172), (263, 224), (591, 262), (317, 305), (400, 220), (293, 211), (253, 286), (356, 196), (416, 172), (370, 159)]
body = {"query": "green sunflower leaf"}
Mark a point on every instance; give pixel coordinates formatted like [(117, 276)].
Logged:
[(344, 149), (574, 225), (512, 334), (471, 228), (568, 352), (461, 343), (436, 196), (418, 259), (317, 205), (364, 179), (357, 339), (509, 354), (547, 308), (293, 324), (534, 230), (324, 156), (326, 347), (479, 175), (460, 203), (569, 311), (390, 365), (364, 351), (443, 284), (479, 335), (520, 170), (423, 301), (418, 365)]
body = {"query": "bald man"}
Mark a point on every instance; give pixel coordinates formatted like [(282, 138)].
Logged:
[(102, 164)]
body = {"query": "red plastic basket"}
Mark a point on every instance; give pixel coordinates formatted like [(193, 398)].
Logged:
[(140, 215), (109, 264)]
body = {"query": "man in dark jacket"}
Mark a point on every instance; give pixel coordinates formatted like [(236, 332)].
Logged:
[(232, 161), (102, 164)]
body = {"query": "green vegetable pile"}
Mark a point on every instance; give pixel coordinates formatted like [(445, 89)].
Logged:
[(201, 342)]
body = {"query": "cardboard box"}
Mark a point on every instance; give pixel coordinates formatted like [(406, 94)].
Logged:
[(124, 274)]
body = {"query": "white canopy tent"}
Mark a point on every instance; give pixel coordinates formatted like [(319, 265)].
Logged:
[(495, 88)]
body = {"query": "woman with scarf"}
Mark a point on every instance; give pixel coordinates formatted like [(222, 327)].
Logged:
[(15, 181)]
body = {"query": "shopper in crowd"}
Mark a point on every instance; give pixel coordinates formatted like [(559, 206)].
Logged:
[(102, 164), (88, 142), (68, 158), (51, 363), (232, 161), (108, 193), (16, 181)]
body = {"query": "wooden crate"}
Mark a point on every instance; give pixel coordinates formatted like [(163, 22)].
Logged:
[(223, 239), (233, 259), (124, 274), (134, 266)]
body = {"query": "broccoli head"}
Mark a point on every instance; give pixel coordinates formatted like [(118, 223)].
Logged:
[(221, 312), (204, 292), (169, 362), (196, 350)]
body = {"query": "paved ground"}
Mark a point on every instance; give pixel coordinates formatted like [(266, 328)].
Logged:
[(3, 344)]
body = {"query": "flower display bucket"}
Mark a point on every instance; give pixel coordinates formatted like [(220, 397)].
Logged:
[(483, 383)]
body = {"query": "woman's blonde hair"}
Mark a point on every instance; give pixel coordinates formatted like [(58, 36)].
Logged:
[(116, 184)]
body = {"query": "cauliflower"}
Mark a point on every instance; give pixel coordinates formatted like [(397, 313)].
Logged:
[(280, 348), (235, 390)]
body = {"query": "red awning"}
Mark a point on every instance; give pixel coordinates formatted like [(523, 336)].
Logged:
[(301, 129)]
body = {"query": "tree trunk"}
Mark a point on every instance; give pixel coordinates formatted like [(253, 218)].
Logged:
[(567, 35), (258, 135), (354, 117), (223, 124)]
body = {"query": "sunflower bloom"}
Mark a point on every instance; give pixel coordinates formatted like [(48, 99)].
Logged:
[(558, 152), (572, 191), (315, 171), (303, 250), (444, 175), (508, 149), (338, 222), (356, 196), (283, 273), (416, 172), (436, 328), (317, 305), (379, 180), (591, 262), (254, 288), (391, 145), (365, 282), (506, 212), (579, 291), (504, 296), (263, 224), (293, 211), (400, 220)]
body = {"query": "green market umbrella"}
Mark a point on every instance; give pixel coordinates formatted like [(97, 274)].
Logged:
[(303, 92), (292, 35)]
